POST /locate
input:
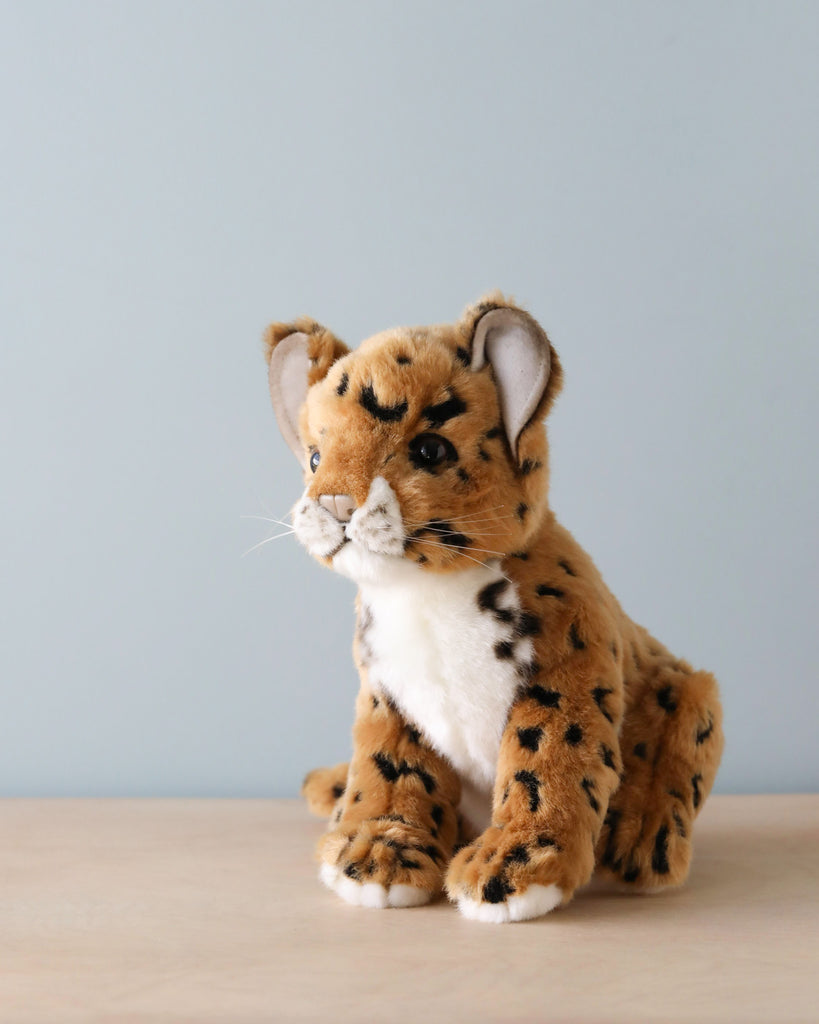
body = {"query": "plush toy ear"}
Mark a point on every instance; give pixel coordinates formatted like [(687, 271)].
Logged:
[(298, 354), (526, 368)]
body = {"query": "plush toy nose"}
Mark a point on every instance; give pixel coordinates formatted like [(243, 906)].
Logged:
[(341, 506)]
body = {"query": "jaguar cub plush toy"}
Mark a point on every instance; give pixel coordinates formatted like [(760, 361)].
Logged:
[(515, 731)]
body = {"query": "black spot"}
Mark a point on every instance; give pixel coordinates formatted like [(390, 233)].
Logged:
[(678, 823), (588, 786), (543, 841), (387, 767), (574, 637), (405, 862), (504, 649), (532, 784), (529, 466), (522, 555), (413, 734), (437, 415), (530, 738), (437, 815), (442, 533), (392, 771), (422, 559), (376, 702), (338, 790), (494, 432), (631, 874), (521, 510), (517, 855), (463, 475), (640, 751), (432, 852), (544, 590), (357, 797), (385, 413), (676, 794), (573, 735), (488, 600), (496, 890), (342, 384), (659, 858), (599, 693), (487, 597), (484, 455), (351, 871), (665, 698), (528, 624), (546, 698), (392, 817), (463, 355), (695, 782), (704, 734), (425, 777), (607, 757), (566, 568), (403, 360)]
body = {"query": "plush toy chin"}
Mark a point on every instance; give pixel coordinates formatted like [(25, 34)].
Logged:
[(358, 563)]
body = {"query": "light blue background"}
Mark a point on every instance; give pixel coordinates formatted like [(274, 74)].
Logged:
[(642, 175)]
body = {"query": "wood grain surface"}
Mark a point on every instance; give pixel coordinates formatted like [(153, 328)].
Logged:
[(210, 910)]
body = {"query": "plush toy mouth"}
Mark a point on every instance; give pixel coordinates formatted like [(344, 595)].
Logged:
[(332, 554)]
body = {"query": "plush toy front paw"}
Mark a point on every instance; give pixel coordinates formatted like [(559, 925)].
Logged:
[(382, 862), (506, 876)]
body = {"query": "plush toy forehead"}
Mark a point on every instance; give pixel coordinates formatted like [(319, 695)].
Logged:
[(402, 380)]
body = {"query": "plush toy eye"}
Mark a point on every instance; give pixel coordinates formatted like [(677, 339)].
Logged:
[(315, 459), (429, 450)]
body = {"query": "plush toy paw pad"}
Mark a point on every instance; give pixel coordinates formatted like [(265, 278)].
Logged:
[(536, 901)]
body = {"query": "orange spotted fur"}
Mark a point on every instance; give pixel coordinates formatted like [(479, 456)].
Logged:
[(611, 744)]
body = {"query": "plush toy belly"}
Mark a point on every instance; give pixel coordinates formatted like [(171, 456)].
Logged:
[(433, 650)]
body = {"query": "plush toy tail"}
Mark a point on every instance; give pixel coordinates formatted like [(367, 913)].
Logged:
[(322, 787)]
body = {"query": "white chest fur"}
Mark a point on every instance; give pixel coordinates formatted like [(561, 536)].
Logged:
[(444, 648)]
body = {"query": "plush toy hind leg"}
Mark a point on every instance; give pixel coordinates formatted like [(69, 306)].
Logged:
[(323, 788), (671, 744)]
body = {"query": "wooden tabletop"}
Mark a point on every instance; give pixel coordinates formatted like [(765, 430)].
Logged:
[(210, 910)]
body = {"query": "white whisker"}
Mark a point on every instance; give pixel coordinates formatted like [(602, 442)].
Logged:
[(267, 540), (455, 547), (267, 519)]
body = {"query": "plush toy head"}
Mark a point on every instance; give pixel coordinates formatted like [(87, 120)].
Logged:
[(422, 448)]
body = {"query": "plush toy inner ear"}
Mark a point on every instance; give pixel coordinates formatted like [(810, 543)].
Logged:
[(518, 351), (289, 369)]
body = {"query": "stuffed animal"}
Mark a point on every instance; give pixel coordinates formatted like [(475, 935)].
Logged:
[(514, 731)]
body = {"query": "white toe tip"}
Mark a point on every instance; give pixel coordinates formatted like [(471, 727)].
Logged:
[(371, 894), (408, 896), (329, 875), (535, 902)]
